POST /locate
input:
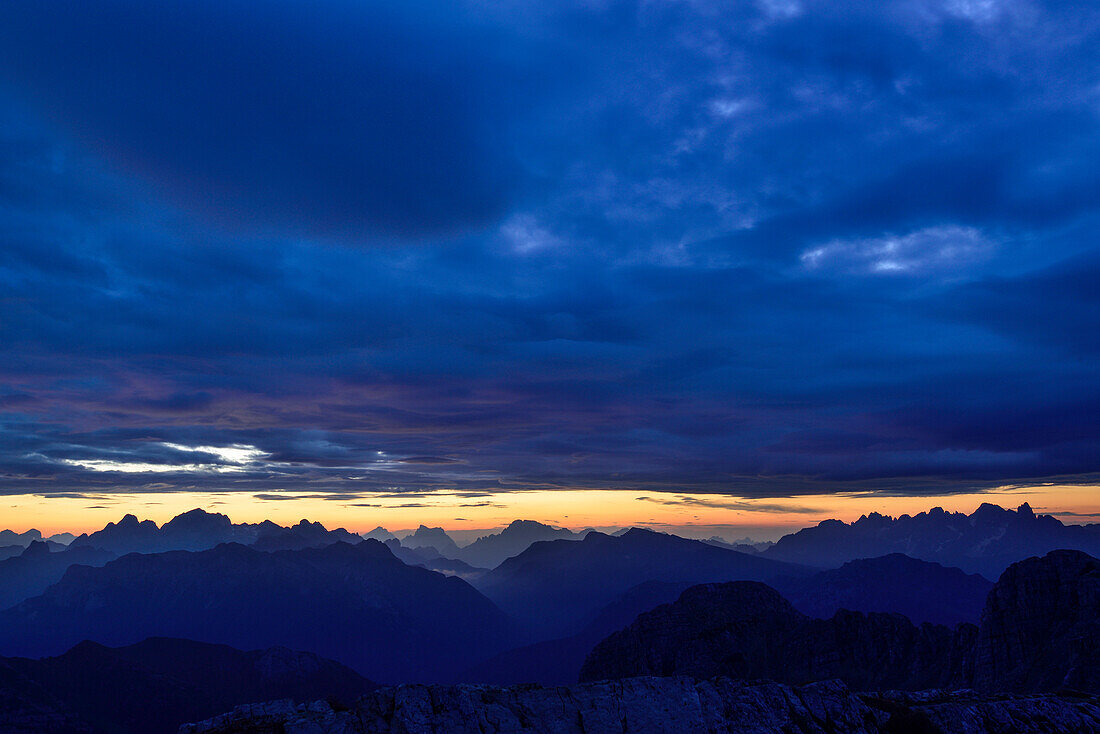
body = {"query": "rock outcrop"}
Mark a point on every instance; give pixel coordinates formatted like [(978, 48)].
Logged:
[(649, 705), (1041, 626)]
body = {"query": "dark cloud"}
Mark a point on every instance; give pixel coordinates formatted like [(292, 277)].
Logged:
[(333, 118), (660, 247)]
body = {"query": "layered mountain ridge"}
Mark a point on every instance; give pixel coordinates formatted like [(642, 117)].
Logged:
[(1039, 631)]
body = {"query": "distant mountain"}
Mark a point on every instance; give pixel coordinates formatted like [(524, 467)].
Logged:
[(986, 541), (380, 534), (156, 685), (490, 551), (36, 568), (194, 530), (306, 534), (745, 545), (436, 538), (61, 538), (1040, 630), (921, 590), (356, 604), (10, 537), (198, 530), (429, 558), (558, 662), (555, 587), (7, 551)]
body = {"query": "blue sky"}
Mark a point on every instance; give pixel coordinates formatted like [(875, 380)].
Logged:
[(761, 248)]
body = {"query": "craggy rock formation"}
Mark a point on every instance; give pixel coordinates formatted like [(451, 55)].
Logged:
[(1040, 631), (647, 705), (1041, 626)]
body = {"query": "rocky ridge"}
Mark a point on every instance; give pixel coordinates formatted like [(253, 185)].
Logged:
[(718, 706)]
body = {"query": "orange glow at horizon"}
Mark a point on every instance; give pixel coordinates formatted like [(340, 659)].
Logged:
[(758, 518)]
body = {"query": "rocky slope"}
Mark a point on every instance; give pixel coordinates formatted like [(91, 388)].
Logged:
[(648, 705)]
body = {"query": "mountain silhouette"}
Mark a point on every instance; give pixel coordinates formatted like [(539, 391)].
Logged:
[(555, 587), (193, 530), (379, 533), (1038, 632), (747, 630), (197, 530), (306, 534), (358, 605), (428, 557), (10, 537), (559, 661), (8, 551), (436, 538), (986, 542), (490, 551), (154, 686), (36, 568), (921, 590)]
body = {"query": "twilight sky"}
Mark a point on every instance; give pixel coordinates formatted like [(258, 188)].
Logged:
[(356, 248)]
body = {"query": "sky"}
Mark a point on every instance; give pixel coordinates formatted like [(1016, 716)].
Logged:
[(757, 254)]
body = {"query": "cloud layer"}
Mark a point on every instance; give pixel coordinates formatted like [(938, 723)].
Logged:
[(757, 249)]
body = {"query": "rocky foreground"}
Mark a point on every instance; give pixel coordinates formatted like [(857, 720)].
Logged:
[(679, 704)]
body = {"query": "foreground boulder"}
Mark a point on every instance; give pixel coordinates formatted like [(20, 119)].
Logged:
[(646, 705)]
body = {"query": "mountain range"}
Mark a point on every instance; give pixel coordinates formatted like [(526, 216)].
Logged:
[(36, 569), (1039, 631), (355, 604), (919, 590), (986, 542), (556, 587), (198, 530)]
